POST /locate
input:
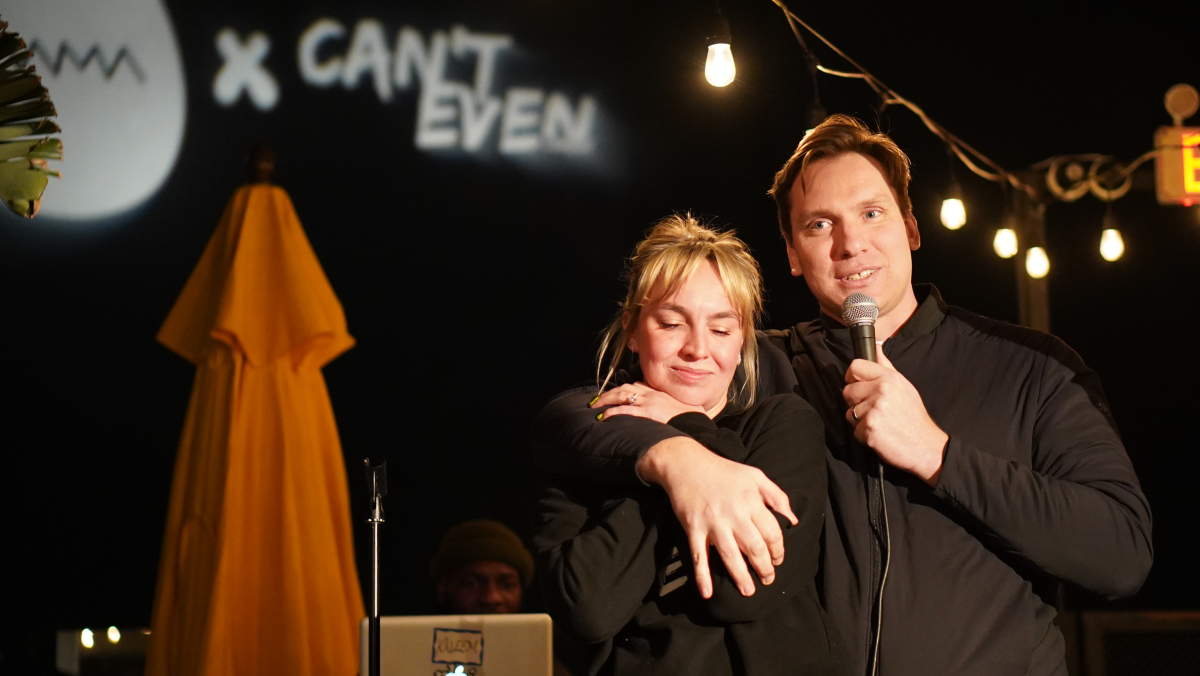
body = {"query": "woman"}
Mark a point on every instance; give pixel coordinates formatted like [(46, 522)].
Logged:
[(616, 565)]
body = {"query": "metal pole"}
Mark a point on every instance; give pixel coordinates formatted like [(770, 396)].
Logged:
[(377, 484), (373, 622)]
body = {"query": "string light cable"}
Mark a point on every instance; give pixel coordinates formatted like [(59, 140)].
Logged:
[(1106, 185)]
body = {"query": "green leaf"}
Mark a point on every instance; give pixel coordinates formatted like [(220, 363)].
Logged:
[(48, 149), (39, 128), (22, 183), (21, 148), (8, 74), (27, 110), (10, 44), (24, 106), (22, 89)]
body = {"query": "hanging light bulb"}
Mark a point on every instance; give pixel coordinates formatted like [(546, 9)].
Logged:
[(718, 66), (1112, 245), (1037, 263), (719, 69), (1005, 243), (954, 214)]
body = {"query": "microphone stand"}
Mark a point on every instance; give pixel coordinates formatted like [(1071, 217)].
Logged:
[(377, 485)]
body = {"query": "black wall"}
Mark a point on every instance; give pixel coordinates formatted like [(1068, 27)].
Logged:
[(475, 286)]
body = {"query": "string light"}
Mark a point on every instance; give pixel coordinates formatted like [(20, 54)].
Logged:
[(954, 214), (1112, 245), (86, 638), (1005, 243), (719, 68), (114, 635), (1037, 263), (974, 160), (1105, 178)]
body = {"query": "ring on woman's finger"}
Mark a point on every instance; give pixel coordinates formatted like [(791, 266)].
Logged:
[(854, 412), (633, 399)]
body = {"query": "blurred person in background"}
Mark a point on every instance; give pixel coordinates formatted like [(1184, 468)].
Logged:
[(481, 568)]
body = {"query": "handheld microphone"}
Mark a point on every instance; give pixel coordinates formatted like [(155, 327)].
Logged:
[(859, 312)]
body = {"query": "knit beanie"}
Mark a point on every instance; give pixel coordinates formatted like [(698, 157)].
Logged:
[(481, 540)]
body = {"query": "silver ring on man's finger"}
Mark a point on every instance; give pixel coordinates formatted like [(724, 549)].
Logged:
[(854, 412), (633, 399)]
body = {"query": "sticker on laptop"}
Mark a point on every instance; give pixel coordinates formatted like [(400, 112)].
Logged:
[(458, 647)]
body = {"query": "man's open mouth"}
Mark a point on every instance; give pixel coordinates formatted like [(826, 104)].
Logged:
[(863, 274)]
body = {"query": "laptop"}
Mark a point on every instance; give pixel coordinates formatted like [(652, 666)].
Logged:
[(473, 645)]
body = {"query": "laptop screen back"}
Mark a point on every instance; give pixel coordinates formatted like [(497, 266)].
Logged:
[(475, 645)]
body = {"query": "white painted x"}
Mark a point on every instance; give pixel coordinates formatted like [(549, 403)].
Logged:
[(243, 69)]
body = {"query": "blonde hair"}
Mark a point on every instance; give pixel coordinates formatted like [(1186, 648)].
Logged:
[(663, 262)]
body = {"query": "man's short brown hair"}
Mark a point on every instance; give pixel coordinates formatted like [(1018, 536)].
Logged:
[(837, 135)]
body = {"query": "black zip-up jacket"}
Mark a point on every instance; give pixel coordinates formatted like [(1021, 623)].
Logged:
[(1035, 488), (617, 573)]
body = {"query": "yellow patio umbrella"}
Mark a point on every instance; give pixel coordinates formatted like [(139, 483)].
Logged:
[(257, 574)]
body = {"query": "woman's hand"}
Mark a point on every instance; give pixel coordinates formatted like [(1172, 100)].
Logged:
[(641, 400)]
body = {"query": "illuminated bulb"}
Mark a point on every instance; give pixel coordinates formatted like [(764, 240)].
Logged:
[(1037, 263), (86, 638), (114, 635), (1112, 246), (954, 214), (718, 67), (1005, 243)]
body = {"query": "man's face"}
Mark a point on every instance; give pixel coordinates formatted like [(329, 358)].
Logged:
[(481, 588), (848, 234)]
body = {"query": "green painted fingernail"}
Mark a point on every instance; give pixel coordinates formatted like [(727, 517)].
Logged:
[(600, 415), (593, 400)]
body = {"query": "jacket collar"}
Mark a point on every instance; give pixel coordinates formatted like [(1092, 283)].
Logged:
[(931, 309)]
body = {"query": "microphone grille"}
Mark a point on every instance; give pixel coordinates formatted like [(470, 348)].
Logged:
[(859, 308)]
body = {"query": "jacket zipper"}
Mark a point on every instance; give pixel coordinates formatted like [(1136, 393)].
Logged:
[(882, 579)]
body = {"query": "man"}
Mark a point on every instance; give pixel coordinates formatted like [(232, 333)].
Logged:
[(970, 471), (481, 568)]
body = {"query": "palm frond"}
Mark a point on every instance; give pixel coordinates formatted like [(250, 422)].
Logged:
[(25, 109)]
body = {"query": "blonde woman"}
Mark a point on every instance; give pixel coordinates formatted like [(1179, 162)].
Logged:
[(617, 567)]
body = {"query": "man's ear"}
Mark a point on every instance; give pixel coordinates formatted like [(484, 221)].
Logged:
[(794, 260), (914, 235)]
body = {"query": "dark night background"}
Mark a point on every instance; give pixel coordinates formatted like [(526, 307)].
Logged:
[(476, 287)]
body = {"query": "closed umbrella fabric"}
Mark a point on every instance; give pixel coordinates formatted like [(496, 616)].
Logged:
[(257, 573)]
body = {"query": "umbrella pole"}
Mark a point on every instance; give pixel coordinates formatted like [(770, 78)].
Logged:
[(377, 484)]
